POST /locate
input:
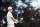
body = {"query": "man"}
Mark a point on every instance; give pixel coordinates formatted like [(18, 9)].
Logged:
[(10, 18)]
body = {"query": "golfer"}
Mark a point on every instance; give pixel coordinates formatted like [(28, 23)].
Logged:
[(10, 18)]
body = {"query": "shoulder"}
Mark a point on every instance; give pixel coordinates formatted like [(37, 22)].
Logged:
[(9, 13)]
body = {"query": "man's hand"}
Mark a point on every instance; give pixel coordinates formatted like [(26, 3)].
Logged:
[(16, 21)]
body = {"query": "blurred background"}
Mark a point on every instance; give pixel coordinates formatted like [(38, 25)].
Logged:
[(29, 10)]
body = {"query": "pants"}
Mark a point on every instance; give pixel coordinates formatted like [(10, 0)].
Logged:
[(10, 25)]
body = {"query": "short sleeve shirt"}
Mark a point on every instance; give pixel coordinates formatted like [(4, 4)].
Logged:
[(9, 20)]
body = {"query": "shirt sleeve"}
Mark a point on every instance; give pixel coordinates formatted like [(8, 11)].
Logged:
[(11, 15)]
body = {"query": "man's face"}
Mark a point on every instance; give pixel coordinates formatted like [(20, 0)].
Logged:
[(11, 10)]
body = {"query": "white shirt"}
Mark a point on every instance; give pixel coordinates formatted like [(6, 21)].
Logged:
[(9, 20)]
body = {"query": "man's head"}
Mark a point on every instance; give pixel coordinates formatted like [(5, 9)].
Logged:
[(21, 18), (10, 9)]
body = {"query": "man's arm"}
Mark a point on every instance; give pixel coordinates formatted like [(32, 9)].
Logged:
[(13, 18)]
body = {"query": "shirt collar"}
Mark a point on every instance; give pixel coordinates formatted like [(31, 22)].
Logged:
[(9, 12)]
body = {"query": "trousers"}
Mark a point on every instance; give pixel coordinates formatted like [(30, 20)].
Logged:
[(10, 25)]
